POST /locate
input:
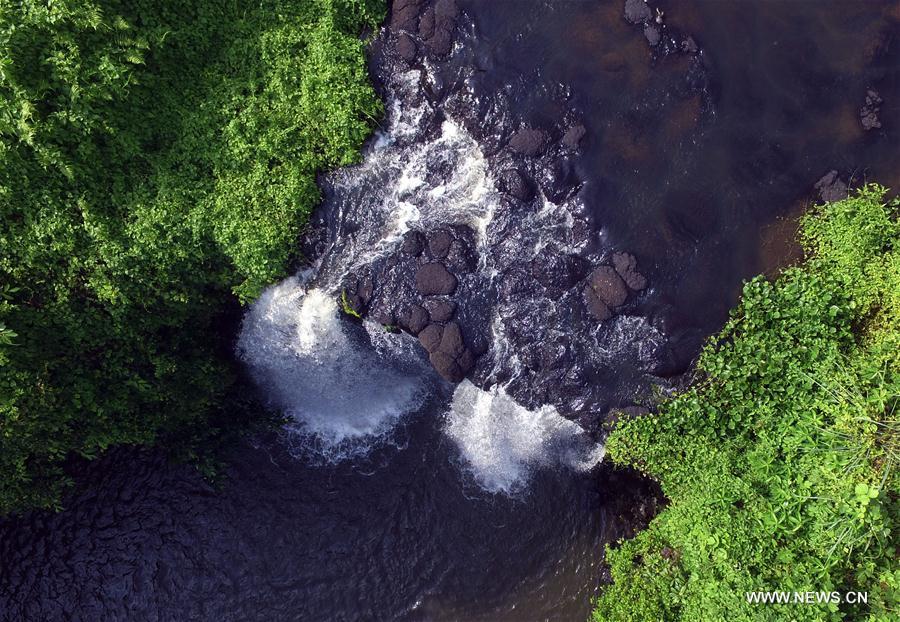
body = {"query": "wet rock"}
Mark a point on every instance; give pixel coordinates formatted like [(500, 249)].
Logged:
[(637, 11), (406, 47), (430, 337), (651, 33), (831, 187), (595, 306), (572, 138), (559, 181), (608, 286), (452, 340), (413, 243), (383, 317), (868, 114), (439, 244), (413, 319), (515, 184), (436, 27), (446, 366), (528, 141), (626, 265), (433, 279), (440, 310), (460, 258), (405, 14), (555, 270), (689, 46)]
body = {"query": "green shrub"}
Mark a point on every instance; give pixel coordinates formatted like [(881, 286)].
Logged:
[(780, 463), (157, 160)]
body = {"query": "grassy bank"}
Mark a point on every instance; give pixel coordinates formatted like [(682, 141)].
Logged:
[(781, 461), (157, 162)]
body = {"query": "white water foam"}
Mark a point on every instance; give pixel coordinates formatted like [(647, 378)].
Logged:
[(502, 441), (334, 387)]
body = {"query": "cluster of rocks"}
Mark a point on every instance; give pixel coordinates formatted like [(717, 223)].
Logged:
[(659, 37), (608, 287), (414, 289), (868, 113)]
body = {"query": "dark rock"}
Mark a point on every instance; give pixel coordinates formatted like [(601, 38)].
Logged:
[(689, 46), (637, 11), (436, 27), (651, 33), (446, 366), (626, 265), (572, 138), (430, 337), (528, 141), (868, 114), (406, 47), (466, 360), (413, 243), (831, 187), (555, 270), (433, 279), (365, 288), (608, 286), (439, 244), (460, 258), (515, 184), (355, 303), (413, 319), (405, 13), (595, 306), (440, 310), (383, 317), (452, 340), (559, 181)]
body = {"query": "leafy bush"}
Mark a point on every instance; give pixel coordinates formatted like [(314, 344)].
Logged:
[(780, 463), (157, 159)]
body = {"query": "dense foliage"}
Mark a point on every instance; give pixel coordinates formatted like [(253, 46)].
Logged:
[(157, 159), (781, 462)]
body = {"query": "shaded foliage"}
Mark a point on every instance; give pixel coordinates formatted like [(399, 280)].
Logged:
[(157, 159)]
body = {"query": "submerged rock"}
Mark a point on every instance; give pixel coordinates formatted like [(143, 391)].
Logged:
[(868, 113), (528, 141), (515, 184), (637, 11)]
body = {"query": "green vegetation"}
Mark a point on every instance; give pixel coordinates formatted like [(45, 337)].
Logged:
[(157, 160), (781, 463)]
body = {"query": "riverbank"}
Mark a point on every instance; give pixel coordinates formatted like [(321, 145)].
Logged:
[(780, 462)]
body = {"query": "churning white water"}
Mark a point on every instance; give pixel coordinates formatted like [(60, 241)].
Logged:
[(344, 388), (502, 441), (333, 384)]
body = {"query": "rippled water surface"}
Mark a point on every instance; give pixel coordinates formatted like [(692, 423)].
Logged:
[(395, 495)]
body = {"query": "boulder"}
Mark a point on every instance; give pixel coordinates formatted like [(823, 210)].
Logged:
[(515, 184), (436, 27), (626, 265), (452, 340), (440, 310), (446, 366), (652, 34), (413, 319), (831, 187), (433, 279), (413, 243), (595, 306), (439, 244), (609, 286), (405, 13), (430, 337), (406, 47), (528, 141)]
